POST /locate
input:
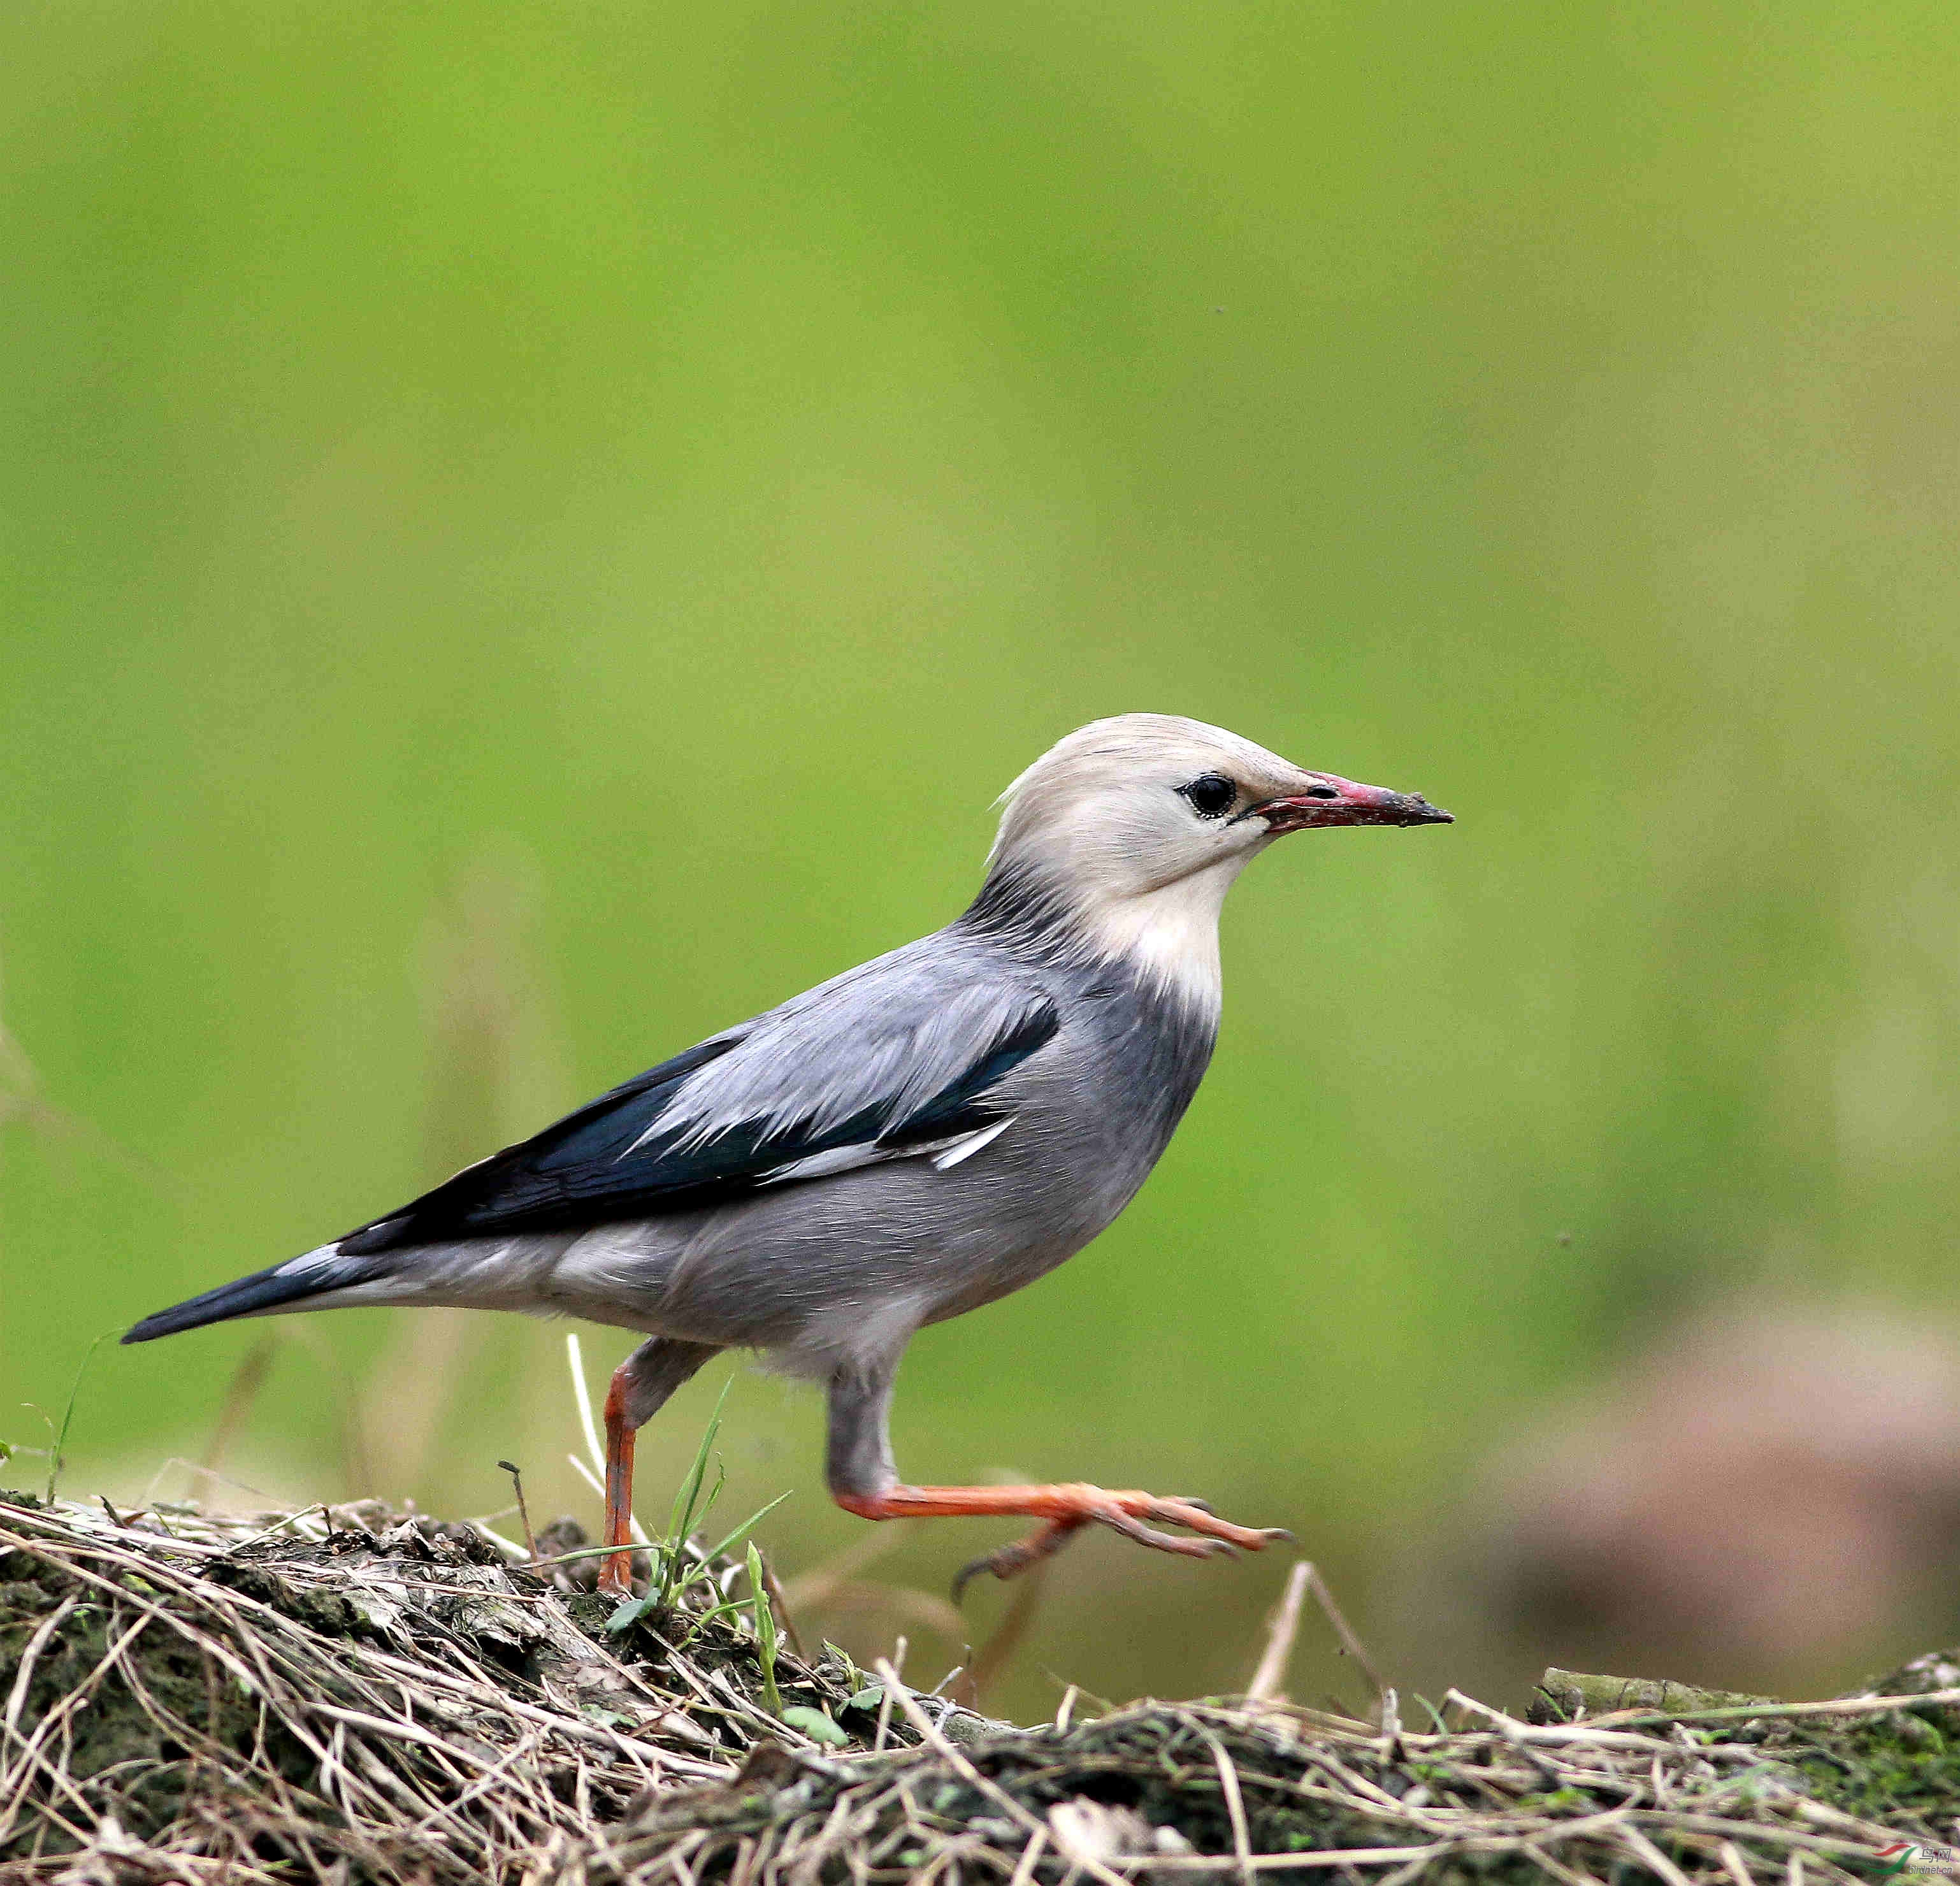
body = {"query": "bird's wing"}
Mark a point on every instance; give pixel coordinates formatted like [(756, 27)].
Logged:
[(896, 1060)]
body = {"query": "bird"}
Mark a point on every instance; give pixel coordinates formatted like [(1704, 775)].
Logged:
[(914, 1138)]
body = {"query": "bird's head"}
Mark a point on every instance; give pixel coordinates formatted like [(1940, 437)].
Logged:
[(1135, 827)]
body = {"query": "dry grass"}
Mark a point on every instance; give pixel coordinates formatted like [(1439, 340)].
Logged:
[(1190, 1791), (342, 1692), (348, 1694)]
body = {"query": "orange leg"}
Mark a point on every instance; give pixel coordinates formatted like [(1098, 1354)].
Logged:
[(615, 1572), (1067, 1510), (640, 1386)]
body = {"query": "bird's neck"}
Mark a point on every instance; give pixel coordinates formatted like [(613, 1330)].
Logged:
[(1166, 936)]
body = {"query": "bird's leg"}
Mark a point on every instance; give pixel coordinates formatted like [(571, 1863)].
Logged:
[(639, 1386), (615, 1572), (864, 1480)]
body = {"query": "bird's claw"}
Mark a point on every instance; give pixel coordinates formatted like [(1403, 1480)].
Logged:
[(1205, 1536), (1011, 1559)]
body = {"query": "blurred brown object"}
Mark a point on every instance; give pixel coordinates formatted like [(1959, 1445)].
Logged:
[(1763, 1491)]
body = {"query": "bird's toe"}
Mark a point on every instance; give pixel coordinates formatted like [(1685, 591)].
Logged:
[(1118, 1520), (1196, 1516)]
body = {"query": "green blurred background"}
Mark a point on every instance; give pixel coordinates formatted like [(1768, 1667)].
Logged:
[(529, 534)]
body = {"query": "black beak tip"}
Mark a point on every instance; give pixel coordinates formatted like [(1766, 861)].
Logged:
[(1421, 812)]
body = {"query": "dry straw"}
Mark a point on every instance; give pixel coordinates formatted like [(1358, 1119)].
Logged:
[(348, 1694)]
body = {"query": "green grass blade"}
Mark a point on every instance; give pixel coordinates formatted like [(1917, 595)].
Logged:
[(672, 1577), (68, 1413), (699, 1620), (680, 1517), (765, 1631), (747, 1526)]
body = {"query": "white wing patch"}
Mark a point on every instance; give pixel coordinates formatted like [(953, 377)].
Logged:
[(945, 1154), (950, 1155), (839, 1159), (321, 1258)]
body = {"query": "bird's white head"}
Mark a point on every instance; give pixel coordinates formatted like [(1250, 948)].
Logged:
[(1132, 829)]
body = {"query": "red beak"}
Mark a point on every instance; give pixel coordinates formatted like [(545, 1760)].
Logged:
[(1335, 801)]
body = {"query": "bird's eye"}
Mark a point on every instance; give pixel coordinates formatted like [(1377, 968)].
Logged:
[(1320, 792), (1212, 795)]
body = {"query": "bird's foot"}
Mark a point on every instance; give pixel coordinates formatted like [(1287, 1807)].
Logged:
[(1067, 1510)]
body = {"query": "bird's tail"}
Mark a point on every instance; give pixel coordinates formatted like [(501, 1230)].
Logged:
[(284, 1285)]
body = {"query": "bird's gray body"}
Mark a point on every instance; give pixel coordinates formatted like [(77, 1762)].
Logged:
[(837, 1271), (911, 1140)]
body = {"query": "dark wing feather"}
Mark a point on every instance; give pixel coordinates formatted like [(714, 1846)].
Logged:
[(899, 1054)]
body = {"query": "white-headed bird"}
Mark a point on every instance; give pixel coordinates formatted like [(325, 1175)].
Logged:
[(905, 1142)]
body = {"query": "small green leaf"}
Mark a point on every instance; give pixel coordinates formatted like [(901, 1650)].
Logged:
[(866, 1698), (630, 1610), (816, 1725)]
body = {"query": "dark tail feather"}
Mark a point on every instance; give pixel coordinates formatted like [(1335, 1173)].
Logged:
[(262, 1290)]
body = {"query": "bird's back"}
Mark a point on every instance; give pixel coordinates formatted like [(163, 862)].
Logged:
[(804, 1268)]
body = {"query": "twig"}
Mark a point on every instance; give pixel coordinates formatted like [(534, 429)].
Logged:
[(524, 1511), (1658, 1861), (575, 1356), (1288, 1862), (1024, 1868), (272, 1531), (1235, 1806), (1324, 1597), (1767, 1712), (1733, 1864), (1281, 1629), (886, 1698)]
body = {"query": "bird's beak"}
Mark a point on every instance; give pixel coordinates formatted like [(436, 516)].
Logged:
[(1332, 801)]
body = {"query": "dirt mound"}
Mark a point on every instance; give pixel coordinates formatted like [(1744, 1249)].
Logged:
[(349, 1694)]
